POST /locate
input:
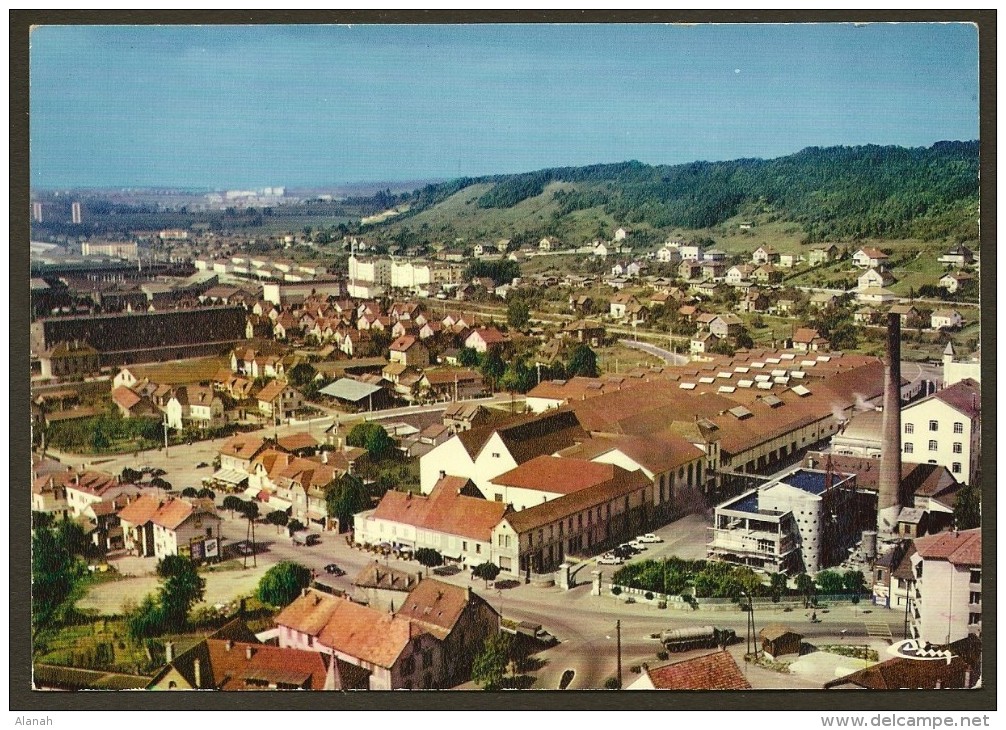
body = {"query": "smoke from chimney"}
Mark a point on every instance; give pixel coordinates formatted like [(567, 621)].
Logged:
[(889, 502)]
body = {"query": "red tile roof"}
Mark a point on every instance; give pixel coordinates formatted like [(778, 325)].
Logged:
[(965, 396), (271, 391), (403, 343), (125, 398), (243, 446), (437, 606), (958, 548), (716, 671), (174, 512), (443, 510), (139, 511), (297, 441), (556, 474)]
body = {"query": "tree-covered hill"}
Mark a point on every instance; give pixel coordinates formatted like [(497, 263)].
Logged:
[(832, 192)]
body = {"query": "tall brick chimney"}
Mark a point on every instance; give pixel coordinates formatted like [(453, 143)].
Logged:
[(889, 482)]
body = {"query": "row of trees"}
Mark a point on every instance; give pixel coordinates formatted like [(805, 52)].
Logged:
[(520, 375), (712, 579)]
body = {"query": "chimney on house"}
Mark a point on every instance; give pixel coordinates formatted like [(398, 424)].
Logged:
[(169, 652), (443, 474), (889, 501), (228, 645), (249, 651), (197, 671)]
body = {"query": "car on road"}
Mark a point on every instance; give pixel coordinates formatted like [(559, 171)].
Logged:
[(306, 538), (333, 569), (649, 537), (610, 559), (637, 546), (201, 465), (244, 547), (630, 548)]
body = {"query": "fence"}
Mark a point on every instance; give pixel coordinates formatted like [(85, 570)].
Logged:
[(639, 595)]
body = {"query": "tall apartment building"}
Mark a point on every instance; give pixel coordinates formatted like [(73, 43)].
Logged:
[(945, 429), (946, 601), (75, 212)]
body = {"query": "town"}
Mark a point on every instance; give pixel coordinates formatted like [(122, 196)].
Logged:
[(372, 359), (314, 440)]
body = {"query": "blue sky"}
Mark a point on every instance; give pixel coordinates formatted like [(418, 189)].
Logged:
[(250, 106)]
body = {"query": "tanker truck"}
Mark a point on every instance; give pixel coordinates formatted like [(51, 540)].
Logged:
[(699, 637)]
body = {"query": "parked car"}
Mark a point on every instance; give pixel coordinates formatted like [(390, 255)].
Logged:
[(610, 560), (201, 465), (637, 546), (649, 537), (333, 569), (631, 548), (306, 538), (244, 547)]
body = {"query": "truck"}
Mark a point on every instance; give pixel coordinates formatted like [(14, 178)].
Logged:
[(699, 637), (302, 537)]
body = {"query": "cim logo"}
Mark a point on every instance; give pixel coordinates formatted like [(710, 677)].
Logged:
[(913, 649)]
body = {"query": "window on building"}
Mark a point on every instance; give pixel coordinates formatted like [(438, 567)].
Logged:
[(958, 447), (934, 425), (956, 467), (976, 576), (958, 427), (909, 447), (478, 548), (976, 598), (464, 545), (909, 428), (974, 619), (933, 445), (499, 497)]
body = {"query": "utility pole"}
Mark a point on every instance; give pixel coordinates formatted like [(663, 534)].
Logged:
[(618, 644), (165, 424)]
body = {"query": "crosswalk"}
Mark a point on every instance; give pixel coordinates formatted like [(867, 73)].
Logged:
[(878, 630)]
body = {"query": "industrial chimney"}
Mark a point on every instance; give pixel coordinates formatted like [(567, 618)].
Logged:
[(889, 482)]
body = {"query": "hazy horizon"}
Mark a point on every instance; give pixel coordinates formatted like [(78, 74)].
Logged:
[(225, 107)]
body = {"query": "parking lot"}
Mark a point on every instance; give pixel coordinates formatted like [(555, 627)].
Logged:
[(685, 538)]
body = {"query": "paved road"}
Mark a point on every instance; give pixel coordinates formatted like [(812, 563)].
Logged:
[(671, 358)]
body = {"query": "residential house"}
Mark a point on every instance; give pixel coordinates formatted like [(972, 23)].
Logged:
[(866, 316), (383, 587), (591, 333), (808, 339), (462, 416), (84, 488), (959, 255), (69, 359), (949, 319), (713, 270), (227, 662), (947, 604), (875, 278), (753, 300), (411, 351), (132, 405), (823, 255), (302, 484), (767, 274), (703, 342), (485, 339), (870, 258), (689, 269), (48, 494), (907, 312), (726, 325), (955, 281), (875, 295), (823, 299), (715, 671), (945, 428), (789, 260), (582, 304), (618, 307), (158, 527), (668, 254), (765, 255), (238, 451), (708, 289), (548, 244), (691, 252), (736, 275), (621, 233), (279, 400), (205, 408), (453, 384)]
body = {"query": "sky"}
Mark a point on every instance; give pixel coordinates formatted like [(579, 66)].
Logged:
[(227, 107)]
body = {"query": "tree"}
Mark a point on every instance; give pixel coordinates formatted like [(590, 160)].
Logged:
[(206, 493), (294, 526), (190, 492), (493, 368), (830, 582), (777, 583), (518, 314), (54, 573), (805, 584), (468, 357), (968, 508), (282, 583), (489, 667), (429, 558), (278, 518), (372, 437), (181, 588), (232, 503), (582, 361), (487, 571), (73, 538), (347, 496), (854, 582), (302, 374)]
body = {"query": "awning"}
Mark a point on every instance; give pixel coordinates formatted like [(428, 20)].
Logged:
[(278, 504), (313, 515), (230, 476), (252, 492)]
